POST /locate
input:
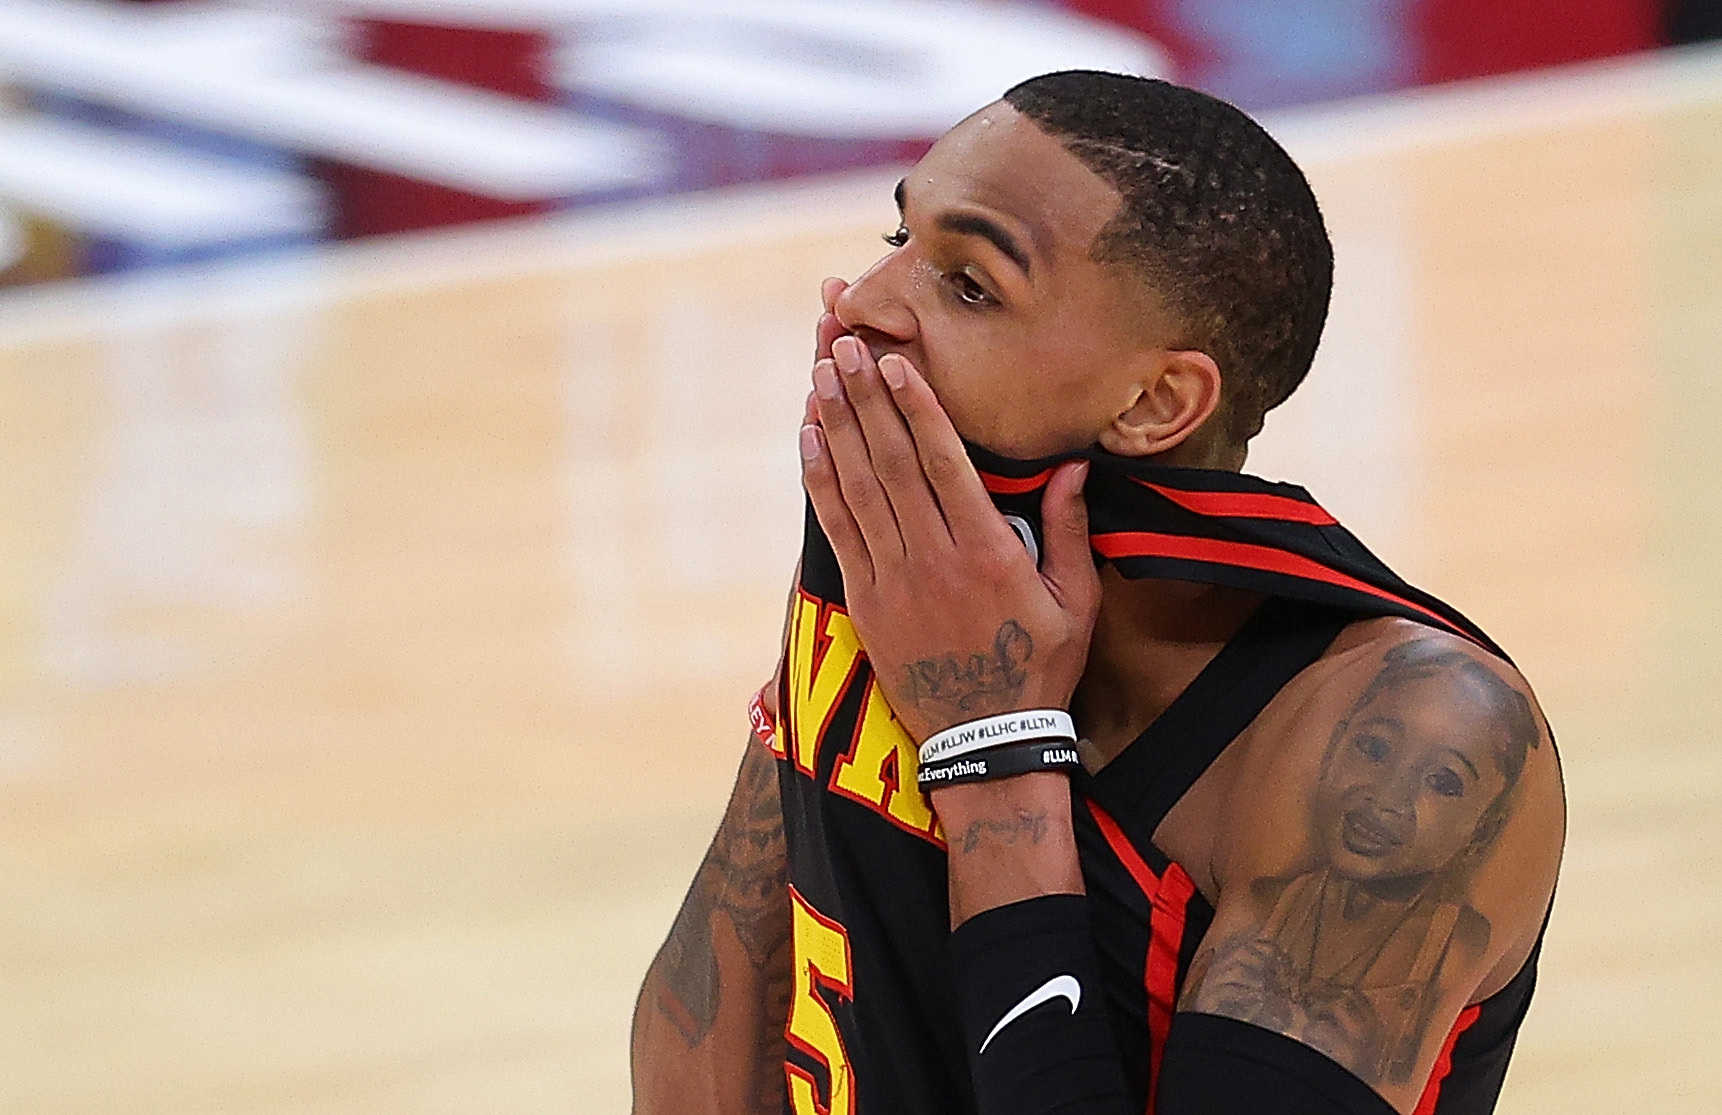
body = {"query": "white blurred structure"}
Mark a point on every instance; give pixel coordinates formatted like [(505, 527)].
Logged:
[(13, 242), (277, 79), (129, 188), (184, 130), (842, 69)]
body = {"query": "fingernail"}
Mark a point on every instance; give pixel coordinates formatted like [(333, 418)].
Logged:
[(847, 352), (825, 383), (891, 367), (809, 442)]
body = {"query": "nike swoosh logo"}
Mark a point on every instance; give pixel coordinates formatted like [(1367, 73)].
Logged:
[(1057, 987)]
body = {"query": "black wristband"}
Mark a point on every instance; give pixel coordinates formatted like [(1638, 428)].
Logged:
[(1000, 762), (1038, 1035)]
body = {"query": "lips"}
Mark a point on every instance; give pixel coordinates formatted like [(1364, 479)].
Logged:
[(1365, 834)]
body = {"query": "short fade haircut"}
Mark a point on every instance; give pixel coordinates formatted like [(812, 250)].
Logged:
[(1215, 218)]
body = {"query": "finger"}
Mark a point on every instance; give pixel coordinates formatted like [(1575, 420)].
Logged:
[(830, 291), (819, 478), (828, 330), (1067, 568), (890, 446), (859, 485), (967, 508)]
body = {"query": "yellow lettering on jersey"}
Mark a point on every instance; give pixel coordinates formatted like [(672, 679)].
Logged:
[(824, 655), (878, 770), (821, 949)]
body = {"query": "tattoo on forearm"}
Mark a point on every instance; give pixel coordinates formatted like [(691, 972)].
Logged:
[(779, 987), (1415, 786), (1024, 827), (744, 877), (971, 684)]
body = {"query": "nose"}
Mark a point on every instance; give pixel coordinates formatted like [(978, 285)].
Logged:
[(875, 307), (1398, 797)]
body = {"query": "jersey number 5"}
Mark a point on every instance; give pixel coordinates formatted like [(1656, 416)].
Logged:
[(821, 961)]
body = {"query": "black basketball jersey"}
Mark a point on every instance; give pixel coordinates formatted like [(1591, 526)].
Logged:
[(873, 1028)]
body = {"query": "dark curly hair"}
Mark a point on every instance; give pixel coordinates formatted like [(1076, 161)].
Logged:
[(1215, 217)]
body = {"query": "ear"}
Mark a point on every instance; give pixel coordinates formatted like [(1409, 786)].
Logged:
[(1176, 395)]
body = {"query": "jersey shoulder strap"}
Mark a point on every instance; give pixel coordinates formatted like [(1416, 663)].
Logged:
[(1284, 637)]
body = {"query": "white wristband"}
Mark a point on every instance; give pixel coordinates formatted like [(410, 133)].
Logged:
[(996, 731)]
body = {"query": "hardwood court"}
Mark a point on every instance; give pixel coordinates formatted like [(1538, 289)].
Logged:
[(376, 626)]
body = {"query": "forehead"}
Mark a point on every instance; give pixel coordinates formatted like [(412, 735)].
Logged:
[(998, 162), (1435, 711)]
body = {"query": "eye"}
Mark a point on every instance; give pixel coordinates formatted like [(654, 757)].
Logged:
[(1446, 782), (967, 291), (1372, 747), (899, 238)]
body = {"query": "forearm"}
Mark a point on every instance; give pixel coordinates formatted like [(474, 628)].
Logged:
[(728, 1061), (1008, 841), (708, 1025), (1035, 1023)]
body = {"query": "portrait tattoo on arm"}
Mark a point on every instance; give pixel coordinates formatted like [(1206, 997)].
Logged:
[(1349, 953), (744, 878)]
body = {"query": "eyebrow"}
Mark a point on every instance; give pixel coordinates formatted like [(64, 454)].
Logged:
[(972, 224), (1469, 765)]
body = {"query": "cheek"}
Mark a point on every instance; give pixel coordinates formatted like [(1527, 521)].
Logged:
[(968, 391), (1352, 771), (1445, 825), (1001, 393), (1023, 387)]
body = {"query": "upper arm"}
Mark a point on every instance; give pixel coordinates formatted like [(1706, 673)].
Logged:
[(1393, 849), (740, 894), (709, 1022), (708, 1026)]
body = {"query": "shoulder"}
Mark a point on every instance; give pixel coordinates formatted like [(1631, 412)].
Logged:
[(1410, 684), (1403, 728), (1400, 800)]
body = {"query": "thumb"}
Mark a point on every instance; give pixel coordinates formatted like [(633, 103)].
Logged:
[(1068, 569)]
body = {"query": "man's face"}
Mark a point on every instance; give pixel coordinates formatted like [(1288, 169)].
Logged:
[(991, 293), (1406, 783)]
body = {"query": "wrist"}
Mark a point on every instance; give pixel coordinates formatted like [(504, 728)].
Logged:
[(1042, 792), (1008, 841)]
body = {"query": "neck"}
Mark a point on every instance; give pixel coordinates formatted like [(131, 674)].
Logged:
[(1151, 640)]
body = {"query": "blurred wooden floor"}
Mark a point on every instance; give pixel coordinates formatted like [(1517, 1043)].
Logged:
[(375, 626)]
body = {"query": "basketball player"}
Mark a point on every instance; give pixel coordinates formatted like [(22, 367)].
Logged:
[(1301, 858)]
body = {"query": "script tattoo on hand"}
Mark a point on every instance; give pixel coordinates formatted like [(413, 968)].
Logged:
[(1349, 955), (744, 876), (977, 682)]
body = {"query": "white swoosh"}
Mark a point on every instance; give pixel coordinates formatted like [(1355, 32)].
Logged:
[(1053, 988)]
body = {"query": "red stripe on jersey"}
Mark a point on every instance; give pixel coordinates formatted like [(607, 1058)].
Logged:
[(1013, 486), (1247, 555), (1245, 505), (1444, 1063), (1126, 852), (1169, 902), (1166, 939)]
